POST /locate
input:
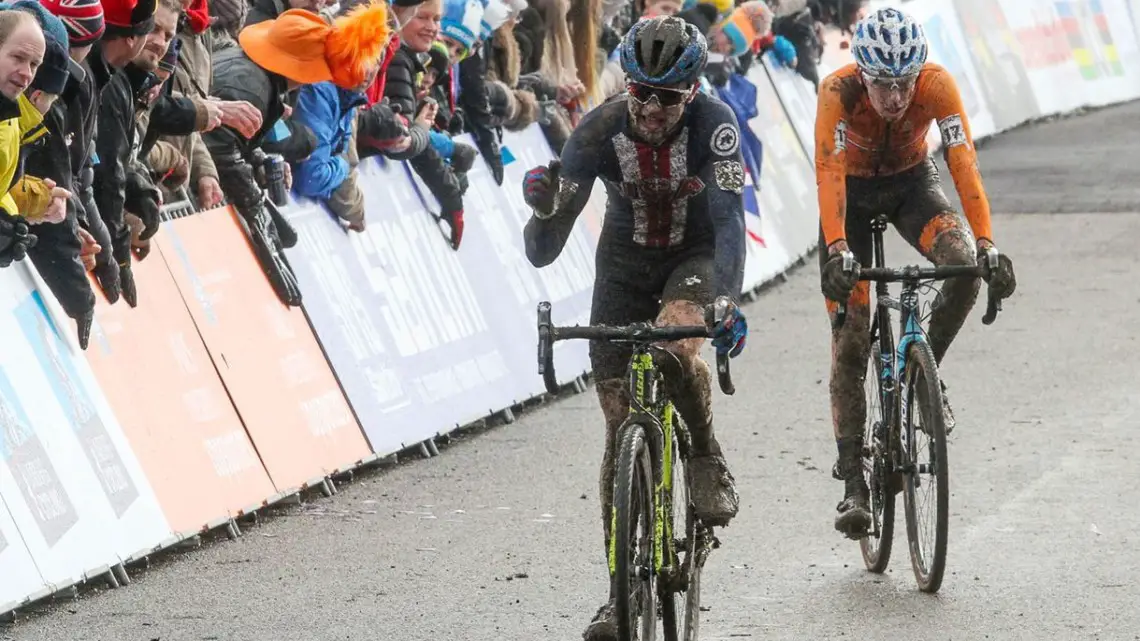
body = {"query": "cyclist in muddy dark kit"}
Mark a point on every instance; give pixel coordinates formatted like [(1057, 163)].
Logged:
[(872, 158), (671, 246)]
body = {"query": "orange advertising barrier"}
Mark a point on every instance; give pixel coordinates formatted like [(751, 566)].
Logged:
[(160, 382), (268, 358)]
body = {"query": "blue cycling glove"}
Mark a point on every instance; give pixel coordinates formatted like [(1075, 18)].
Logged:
[(784, 51), (731, 327)]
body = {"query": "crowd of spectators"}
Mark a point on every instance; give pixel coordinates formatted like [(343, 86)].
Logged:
[(111, 108)]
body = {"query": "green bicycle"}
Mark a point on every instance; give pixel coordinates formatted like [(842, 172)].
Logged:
[(653, 560)]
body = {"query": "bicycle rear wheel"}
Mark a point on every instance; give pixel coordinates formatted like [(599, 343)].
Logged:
[(927, 509), (633, 538), (876, 546)]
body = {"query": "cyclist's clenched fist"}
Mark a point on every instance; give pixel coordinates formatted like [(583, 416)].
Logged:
[(540, 186)]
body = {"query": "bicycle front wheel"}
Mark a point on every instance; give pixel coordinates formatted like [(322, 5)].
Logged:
[(926, 487), (633, 534)]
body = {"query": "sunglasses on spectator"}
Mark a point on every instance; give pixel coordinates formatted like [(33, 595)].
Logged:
[(666, 96)]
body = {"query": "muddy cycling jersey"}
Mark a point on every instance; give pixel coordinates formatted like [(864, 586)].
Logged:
[(662, 200), (851, 139)]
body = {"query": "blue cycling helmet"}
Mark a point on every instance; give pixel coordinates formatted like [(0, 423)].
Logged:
[(665, 50), (889, 44)]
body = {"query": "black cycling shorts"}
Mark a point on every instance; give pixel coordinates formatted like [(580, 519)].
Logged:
[(910, 199), (631, 285)]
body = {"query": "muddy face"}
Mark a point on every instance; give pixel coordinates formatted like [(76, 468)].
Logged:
[(652, 121), (890, 98)]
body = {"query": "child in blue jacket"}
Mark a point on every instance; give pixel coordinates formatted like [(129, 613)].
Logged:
[(329, 174)]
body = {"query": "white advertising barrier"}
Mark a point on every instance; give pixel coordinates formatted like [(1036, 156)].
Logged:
[(786, 197), (1016, 60), (423, 338), (1078, 53), (69, 479), (21, 578)]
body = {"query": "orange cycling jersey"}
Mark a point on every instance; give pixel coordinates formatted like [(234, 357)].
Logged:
[(851, 139)]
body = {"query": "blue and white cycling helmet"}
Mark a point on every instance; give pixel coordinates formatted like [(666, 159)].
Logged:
[(889, 44), (665, 50)]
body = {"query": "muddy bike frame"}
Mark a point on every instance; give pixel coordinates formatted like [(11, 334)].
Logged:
[(888, 454), (654, 412)]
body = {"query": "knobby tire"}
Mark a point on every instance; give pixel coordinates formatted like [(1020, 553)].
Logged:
[(924, 390), (633, 501)]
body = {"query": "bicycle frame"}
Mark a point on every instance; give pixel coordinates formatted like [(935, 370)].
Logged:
[(893, 357), (654, 412)]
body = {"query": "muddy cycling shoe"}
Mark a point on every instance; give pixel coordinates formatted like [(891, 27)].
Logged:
[(714, 491), (854, 516), (947, 412), (604, 625)]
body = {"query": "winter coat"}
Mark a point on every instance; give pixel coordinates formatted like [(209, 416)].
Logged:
[(192, 78), (329, 112), (477, 116), (114, 146), (262, 10), (56, 254), (236, 77), (799, 28), (400, 91)]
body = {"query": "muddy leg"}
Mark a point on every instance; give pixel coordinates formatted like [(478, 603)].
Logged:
[(946, 240), (614, 399)]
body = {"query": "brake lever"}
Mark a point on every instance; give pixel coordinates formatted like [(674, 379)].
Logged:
[(841, 311), (724, 375), (993, 303)]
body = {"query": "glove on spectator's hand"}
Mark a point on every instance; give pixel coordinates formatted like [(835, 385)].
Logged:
[(15, 240), (107, 275), (785, 52), (127, 282)]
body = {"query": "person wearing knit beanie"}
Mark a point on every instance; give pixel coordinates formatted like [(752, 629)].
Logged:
[(494, 15), (128, 18), (57, 66), (83, 20), (735, 35), (461, 26)]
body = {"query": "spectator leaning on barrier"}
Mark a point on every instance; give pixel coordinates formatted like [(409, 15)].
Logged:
[(64, 251), (169, 166), (164, 114), (128, 22), (69, 150), (275, 57), (22, 47), (193, 78), (421, 24), (473, 99), (329, 174)]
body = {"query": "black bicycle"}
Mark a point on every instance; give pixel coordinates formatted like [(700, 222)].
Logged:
[(652, 560), (893, 457)]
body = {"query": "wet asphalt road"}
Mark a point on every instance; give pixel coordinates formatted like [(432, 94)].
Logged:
[(498, 539)]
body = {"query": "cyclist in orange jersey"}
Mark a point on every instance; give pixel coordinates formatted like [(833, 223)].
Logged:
[(872, 158)]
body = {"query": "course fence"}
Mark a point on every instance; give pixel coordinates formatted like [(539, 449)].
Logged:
[(211, 399)]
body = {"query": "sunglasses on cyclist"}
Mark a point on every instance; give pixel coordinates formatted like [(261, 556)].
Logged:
[(666, 96), (903, 83)]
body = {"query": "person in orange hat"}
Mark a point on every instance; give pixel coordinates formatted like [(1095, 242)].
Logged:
[(275, 57)]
